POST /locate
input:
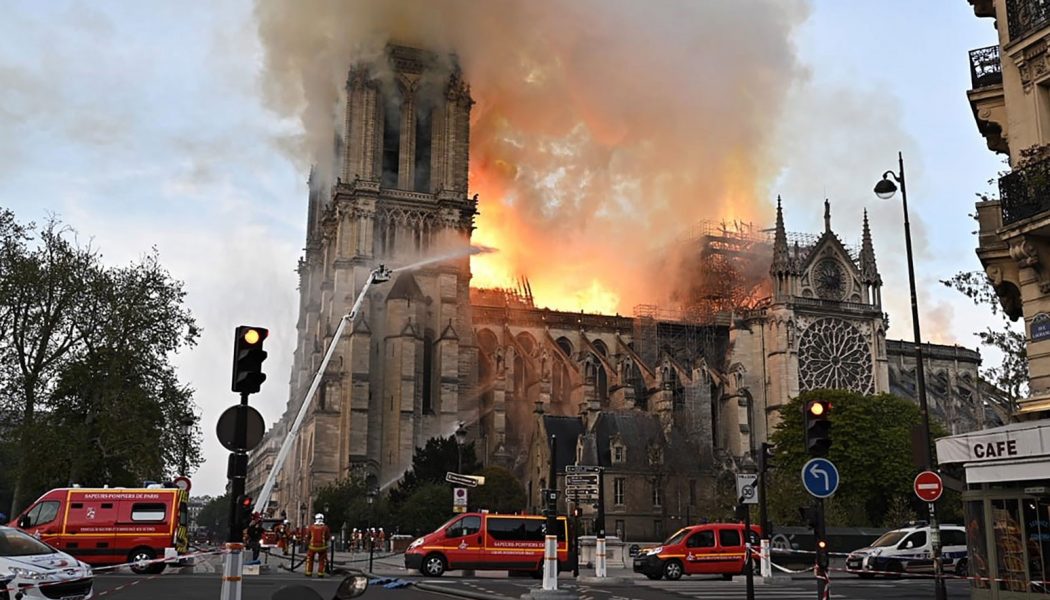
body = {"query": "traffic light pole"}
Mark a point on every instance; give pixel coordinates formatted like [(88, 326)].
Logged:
[(820, 539), (236, 471), (550, 540)]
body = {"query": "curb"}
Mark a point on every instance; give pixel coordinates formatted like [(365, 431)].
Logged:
[(591, 580)]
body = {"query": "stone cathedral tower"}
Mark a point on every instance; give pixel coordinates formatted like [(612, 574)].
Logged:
[(404, 372)]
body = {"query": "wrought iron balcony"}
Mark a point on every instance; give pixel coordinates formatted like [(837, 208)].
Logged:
[(1026, 16), (985, 68), (1025, 192)]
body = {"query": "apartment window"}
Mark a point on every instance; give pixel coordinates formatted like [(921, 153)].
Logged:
[(657, 494), (618, 454), (619, 485)]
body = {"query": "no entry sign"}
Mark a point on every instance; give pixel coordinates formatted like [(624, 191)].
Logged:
[(928, 486)]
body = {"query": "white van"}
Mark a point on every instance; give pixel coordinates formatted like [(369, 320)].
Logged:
[(908, 550)]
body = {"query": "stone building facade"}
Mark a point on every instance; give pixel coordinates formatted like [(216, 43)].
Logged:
[(1010, 98), (667, 402)]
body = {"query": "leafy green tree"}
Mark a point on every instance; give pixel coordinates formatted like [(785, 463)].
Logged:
[(871, 448), (430, 464), (347, 502), (85, 364), (215, 517), (502, 492), (429, 505), (1011, 375)]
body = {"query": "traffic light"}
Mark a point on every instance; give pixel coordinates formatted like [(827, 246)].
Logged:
[(248, 357), (244, 510), (765, 457), (817, 424)]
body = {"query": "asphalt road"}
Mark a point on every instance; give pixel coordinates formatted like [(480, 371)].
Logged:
[(709, 588), (172, 586), (175, 586)]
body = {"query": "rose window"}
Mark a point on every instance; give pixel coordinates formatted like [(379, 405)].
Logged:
[(833, 354)]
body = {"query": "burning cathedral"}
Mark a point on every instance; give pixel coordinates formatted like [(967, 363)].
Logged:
[(668, 401)]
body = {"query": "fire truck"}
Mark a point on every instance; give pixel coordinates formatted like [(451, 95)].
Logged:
[(112, 525)]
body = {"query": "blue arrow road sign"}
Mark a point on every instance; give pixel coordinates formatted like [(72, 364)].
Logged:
[(820, 477)]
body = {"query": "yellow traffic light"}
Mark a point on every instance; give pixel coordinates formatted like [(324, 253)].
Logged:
[(251, 336), (816, 408)]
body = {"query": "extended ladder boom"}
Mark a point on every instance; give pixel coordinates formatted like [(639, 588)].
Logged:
[(379, 275)]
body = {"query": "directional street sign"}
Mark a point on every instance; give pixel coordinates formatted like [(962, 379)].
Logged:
[(582, 469), (820, 477), (746, 487), (928, 486), (581, 479), (466, 480), (581, 488)]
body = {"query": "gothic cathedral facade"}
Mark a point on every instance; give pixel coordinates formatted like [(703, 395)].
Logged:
[(645, 394)]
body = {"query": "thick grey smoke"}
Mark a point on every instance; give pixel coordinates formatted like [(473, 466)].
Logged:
[(600, 124)]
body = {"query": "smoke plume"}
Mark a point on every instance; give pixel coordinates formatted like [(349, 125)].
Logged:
[(602, 129)]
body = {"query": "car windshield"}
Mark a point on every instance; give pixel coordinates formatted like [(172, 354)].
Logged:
[(676, 538), (889, 538), (15, 543)]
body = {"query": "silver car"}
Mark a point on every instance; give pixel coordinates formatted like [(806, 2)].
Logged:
[(38, 571)]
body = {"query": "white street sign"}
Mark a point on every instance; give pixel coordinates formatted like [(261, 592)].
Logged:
[(747, 487)]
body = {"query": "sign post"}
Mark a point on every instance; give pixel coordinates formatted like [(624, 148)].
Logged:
[(821, 479)]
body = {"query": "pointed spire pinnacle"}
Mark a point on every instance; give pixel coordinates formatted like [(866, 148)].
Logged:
[(781, 256), (827, 215), (869, 272)]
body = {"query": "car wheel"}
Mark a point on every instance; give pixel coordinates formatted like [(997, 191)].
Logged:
[(673, 570), (962, 569), (140, 555), (434, 565)]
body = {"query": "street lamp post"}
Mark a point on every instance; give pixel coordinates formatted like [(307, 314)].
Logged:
[(885, 189), (461, 439), (371, 497), (185, 428)]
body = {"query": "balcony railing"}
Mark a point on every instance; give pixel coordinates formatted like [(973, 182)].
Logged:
[(1025, 192), (985, 68), (1026, 16)]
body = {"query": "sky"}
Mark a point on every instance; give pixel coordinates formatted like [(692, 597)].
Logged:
[(145, 125)]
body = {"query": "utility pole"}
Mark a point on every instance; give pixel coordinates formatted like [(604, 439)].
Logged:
[(550, 546), (599, 525)]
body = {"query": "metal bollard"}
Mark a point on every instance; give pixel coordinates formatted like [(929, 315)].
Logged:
[(331, 556), (371, 554)]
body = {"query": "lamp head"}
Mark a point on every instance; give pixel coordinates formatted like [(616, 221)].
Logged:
[(885, 189)]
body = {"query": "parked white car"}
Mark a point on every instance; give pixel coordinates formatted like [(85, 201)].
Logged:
[(39, 571), (909, 550)]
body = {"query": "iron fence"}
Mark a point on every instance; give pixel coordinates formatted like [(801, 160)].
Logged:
[(1025, 192), (1026, 16), (985, 68)]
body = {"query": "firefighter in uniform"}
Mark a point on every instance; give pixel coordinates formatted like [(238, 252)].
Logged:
[(317, 545)]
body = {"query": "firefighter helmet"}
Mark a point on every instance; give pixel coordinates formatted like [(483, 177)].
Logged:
[(319, 518)]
